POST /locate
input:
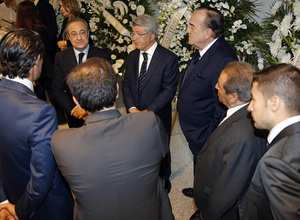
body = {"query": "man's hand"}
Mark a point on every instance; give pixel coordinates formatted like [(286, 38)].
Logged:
[(79, 113), (7, 212), (62, 44), (135, 110)]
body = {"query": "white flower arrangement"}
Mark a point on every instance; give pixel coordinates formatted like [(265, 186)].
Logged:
[(282, 30), (239, 28), (110, 25)]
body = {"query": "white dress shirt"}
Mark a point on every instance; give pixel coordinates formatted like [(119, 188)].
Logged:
[(280, 126)]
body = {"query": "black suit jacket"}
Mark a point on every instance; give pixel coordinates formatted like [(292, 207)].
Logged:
[(48, 17), (159, 87), (198, 105), (274, 192), (65, 61), (225, 166)]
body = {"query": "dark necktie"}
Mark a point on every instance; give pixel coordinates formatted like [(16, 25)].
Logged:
[(80, 58), (143, 72), (193, 62)]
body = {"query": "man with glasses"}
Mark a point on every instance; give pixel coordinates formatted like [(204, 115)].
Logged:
[(66, 60), (150, 80)]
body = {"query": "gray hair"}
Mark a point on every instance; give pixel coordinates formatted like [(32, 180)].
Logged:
[(148, 23)]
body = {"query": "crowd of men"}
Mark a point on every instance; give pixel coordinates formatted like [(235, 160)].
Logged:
[(242, 127)]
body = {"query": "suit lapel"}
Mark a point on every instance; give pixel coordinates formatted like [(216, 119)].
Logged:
[(198, 68), (219, 131)]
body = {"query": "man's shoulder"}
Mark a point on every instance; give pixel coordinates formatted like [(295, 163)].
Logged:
[(165, 51)]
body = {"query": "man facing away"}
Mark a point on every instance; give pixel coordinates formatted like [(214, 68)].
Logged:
[(151, 79), (274, 192), (227, 161), (198, 106), (29, 178), (66, 60), (112, 162)]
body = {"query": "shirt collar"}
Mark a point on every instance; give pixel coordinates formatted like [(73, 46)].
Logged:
[(202, 52), (151, 50), (282, 125), (85, 51), (36, 1), (26, 82)]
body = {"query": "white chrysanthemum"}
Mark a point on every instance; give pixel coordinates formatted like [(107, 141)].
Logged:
[(297, 23), (297, 8), (276, 35), (286, 24), (274, 47), (113, 57), (276, 6)]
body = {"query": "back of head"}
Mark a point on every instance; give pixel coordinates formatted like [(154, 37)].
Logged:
[(239, 79), (94, 84), (19, 51), (148, 23), (73, 6), (282, 80), (27, 16), (214, 21)]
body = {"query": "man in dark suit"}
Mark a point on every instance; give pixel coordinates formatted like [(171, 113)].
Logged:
[(198, 106), (151, 79), (29, 178), (227, 160), (274, 191), (66, 60), (112, 162)]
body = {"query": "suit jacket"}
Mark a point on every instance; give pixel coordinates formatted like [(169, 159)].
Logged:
[(28, 173), (48, 18), (159, 87), (64, 62), (198, 104), (274, 192), (225, 166), (112, 163)]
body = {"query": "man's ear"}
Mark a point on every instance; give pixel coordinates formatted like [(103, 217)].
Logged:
[(117, 96), (275, 103), (234, 97), (76, 102)]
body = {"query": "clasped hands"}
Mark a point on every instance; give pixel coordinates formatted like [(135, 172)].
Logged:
[(7, 212), (79, 113)]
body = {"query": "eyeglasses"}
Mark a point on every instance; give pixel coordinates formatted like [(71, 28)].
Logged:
[(81, 33), (137, 34)]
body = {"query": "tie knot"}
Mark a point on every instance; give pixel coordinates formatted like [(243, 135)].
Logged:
[(145, 55)]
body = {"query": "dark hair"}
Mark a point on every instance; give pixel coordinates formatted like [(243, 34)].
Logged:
[(27, 16), (94, 84), (214, 21), (282, 80), (148, 23), (19, 50), (72, 5), (239, 79)]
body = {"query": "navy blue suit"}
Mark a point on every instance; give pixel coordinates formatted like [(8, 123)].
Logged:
[(29, 177), (158, 90), (198, 105)]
